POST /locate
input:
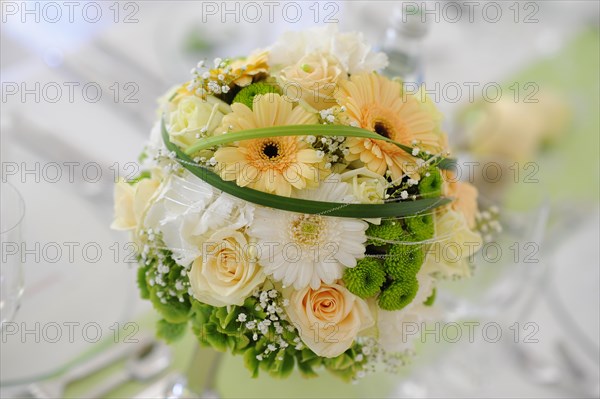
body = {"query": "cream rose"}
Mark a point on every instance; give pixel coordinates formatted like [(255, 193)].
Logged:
[(449, 256), (349, 48), (367, 187), (131, 201), (193, 117), (328, 318), (314, 79), (226, 273)]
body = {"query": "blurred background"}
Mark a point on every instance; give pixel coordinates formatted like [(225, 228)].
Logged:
[(517, 81)]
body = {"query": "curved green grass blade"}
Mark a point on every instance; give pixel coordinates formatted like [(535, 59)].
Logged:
[(363, 211), (302, 130), (290, 130)]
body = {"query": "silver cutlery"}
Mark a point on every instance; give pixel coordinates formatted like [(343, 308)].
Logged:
[(55, 388), (147, 363)]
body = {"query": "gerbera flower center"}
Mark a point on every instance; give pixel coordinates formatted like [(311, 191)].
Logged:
[(270, 150), (308, 229), (382, 128)]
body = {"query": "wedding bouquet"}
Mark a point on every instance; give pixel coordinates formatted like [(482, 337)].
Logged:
[(297, 208)]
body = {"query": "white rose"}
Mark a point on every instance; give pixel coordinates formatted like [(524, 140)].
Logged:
[(226, 273), (456, 242), (194, 116)]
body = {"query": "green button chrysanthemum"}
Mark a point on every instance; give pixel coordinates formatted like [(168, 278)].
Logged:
[(247, 94), (431, 183), (398, 294), (366, 278), (388, 230), (431, 299), (420, 227), (403, 261)]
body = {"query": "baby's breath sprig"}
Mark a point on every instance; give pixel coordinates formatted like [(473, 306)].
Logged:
[(488, 224), (166, 278), (331, 116), (215, 80), (373, 356), (274, 330), (331, 149), (426, 155), (167, 161)]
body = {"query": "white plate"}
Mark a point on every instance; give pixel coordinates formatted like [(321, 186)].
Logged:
[(98, 295)]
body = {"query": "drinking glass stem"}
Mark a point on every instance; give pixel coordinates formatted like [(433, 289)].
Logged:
[(201, 374)]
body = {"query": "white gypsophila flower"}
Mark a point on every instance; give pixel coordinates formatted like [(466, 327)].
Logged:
[(301, 249), (188, 210), (350, 49)]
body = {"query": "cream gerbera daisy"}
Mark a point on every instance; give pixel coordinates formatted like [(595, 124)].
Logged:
[(300, 249), (274, 164), (376, 103)]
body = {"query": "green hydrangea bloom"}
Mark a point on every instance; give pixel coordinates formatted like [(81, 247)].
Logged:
[(142, 283), (431, 183), (398, 294), (247, 94), (170, 332), (403, 261), (366, 278)]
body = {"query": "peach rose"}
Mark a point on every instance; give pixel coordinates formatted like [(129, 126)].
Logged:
[(328, 318), (464, 194)]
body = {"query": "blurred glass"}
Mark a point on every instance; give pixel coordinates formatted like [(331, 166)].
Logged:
[(508, 270), (11, 271), (403, 44)]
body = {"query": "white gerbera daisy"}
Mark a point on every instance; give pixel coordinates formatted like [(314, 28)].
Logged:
[(300, 249)]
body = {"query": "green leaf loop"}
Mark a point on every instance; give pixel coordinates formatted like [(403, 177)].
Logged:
[(290, 130), (338, 209)]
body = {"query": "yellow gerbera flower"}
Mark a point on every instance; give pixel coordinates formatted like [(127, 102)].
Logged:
[(274, 164), (376, 103), (247, 68)]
